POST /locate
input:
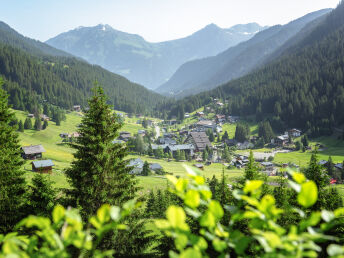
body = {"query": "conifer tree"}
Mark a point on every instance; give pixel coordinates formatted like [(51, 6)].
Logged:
[(100, 174), (145, 170), (316, 173), (251, 170), (150, 205), (330, 167), (21, 126), (12, 181), (41, 196), (27, 123), (205, 155), (38, 123)]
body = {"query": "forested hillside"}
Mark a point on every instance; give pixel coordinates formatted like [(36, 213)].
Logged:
[(204, 74), (34, 76), (303, 89)]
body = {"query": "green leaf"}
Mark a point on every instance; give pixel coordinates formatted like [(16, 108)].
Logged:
[(192, 199), (176, 216), (181, 241), (58, 213), (339, 212), (181, 185), (216, 209), (103, 213), (252, 186), (208, 220), (334, 250), (308, 194), (191, 253), (219, 245), (115, 213), (327, 215), (299, 178)]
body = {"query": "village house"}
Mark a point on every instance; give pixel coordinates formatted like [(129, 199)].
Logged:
[(220, 104), (187, 148), (200, 140), (42, 166), (77, 108), (281, 140), (32, 151), (171, 122), (136, 165), (200, 114), (44, 117), (203, 125), (155, 167), (186, 115), (30, 115), (220, 118), (244, 145), (124, 136), (199, 166), (232, 119), (141, 132), (169, 141), (294, 132)]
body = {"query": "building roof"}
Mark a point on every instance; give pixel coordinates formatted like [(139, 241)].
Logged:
[(136, 163), (339, 166), (201, 140), (43, 163), (157, 146), (33, 149), (322, 162), (155, 166), (181, 147), (205, 123), (266, 164)]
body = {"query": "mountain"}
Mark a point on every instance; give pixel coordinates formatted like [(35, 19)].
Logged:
[(207, 73), (149, 64), (303, 88), (36, 73)]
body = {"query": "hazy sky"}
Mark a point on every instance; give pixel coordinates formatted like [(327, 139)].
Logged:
[(155, 20)]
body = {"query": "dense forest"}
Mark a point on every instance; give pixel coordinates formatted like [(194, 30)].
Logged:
[(304, 88), (36, 73)]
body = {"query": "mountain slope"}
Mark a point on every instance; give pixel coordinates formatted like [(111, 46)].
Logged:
[(35, 76), (207, 73), (303, 89), (150, 64)]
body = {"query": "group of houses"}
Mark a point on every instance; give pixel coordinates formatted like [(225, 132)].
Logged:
[(284, 139), (35, 152), (137, 166)]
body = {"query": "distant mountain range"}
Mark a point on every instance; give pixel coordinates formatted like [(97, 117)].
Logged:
[(207, 73), (36, 72), (150, 64)]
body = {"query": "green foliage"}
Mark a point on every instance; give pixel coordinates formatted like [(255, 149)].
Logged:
[(28, 123), (145, 170), (38, 123), (265, 131), (264, 234), (64, 235), (45, 125), (242, 133), (12, 181), (20, 126), (41, 195)]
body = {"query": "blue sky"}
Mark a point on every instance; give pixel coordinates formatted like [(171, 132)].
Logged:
[(155, 20)]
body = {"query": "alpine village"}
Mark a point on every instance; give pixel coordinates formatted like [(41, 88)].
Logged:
[(224, 143)]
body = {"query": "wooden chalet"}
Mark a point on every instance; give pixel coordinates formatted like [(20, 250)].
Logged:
[(42, 166), (32, 151), (200, 141)]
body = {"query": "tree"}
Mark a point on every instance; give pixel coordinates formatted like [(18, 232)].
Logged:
[(100, 174), (145, 123), (41, 195), (58, 120), (241, 133), (251, 170), (45, 125), (21, 126), (316, 173), (225, 136), (27, 123), (305, 141), (38, 123), (150, 150), (205, 155), (150, 204), (265, 131), (139, 145), (12, 180), (145, 169), (330, 167), (297, 145)]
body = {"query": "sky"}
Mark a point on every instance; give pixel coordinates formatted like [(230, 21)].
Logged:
[(155, 20)]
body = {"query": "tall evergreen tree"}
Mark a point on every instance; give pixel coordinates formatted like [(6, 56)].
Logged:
[(99, 174), (21, 126), (27, 123), (38, 123), (145, 170), (41, 196), (12, 181), (150, 205), (45, 125)]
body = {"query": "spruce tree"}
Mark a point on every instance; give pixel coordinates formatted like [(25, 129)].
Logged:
[(41, 196), (12, 181), (145, 170), (38, 123), (150, 205), (100, 174), (45, 125), (330, 167), (21, 126), (27, 123), (205, 155)]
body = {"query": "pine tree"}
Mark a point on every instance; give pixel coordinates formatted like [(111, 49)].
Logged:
[(205, 155), (150, 205), (99, 174), (251, 170), (38, 123), (330, 167), (145, 170), (225, 136), (41, 196), (27, 123), (45, 125), (21, 126), (12, 181), (58, 120), (150, 150)]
